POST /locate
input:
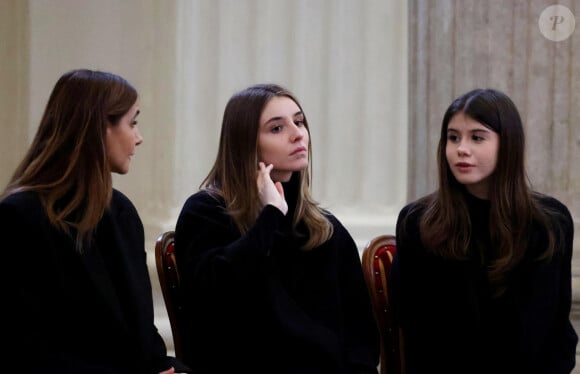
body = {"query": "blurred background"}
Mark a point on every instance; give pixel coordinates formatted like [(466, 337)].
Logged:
[(374, 78)]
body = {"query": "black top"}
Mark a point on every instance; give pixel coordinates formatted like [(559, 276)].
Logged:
[(67, 312), (452, 323), (257, 303)]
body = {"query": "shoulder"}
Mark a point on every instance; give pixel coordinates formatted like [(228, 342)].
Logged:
[(337, 225), (120, 202), (203, 208), (408, 227), (203, 201), (554, 217), (203, 213), (413, 211), (120, 198), (123, 210), (23, 212), (24, 198), (550, 203), (553, 208), (341, 237), (26, 203)]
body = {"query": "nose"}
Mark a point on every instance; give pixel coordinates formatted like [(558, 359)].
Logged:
[(462, 149), (138, 137), (298, 132)]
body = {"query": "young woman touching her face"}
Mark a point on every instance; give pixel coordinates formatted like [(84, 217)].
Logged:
[(268, 276)]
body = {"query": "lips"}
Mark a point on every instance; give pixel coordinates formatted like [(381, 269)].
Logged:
[(463, 167), (298, 150)]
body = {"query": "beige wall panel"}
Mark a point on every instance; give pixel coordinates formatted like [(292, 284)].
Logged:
[(14, 85), (421, 176)]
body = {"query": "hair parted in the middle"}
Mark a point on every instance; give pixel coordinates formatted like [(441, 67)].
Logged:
[(233, 175)]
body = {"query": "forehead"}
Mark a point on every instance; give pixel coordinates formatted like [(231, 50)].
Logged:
[(279, 106), (461, 121), (135, 106)]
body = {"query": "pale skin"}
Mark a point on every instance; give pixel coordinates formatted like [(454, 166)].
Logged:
[(471, 151), (283, 142), (122, 140)]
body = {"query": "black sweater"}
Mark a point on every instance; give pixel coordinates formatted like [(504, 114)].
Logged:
[(257, 303), (450, 319), (70, 312)]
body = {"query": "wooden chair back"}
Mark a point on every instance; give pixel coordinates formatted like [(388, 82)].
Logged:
[(377, 259), (169, 281)]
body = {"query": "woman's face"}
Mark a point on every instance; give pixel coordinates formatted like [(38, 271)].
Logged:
[(471, 152), (122, 139), (283, 138)]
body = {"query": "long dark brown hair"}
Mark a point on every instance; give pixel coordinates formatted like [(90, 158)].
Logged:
[(233, 175), (445, 225), (66, 164)]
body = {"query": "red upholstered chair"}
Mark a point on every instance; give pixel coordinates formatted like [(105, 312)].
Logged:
[(169, 281), (377, 259)]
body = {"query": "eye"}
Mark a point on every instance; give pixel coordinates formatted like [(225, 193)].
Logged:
[(452, 138), (276, 129), (477, 138), (299, 122), (134, 123)]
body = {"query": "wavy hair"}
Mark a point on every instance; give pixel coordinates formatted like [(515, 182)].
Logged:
[(233, 175), (66, 164)]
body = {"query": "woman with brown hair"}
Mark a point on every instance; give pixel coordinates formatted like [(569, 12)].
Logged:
[(271, 282), (482, 274), (75, 280)]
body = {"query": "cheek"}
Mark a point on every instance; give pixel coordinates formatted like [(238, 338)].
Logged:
[(108, 145), (492, 163), (448, 153), (269, 148), (130, 140), (492, 157), (267, 157)]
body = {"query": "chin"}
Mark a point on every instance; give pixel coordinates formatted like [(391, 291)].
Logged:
[(285, 178), (281, 176), (123, 170)]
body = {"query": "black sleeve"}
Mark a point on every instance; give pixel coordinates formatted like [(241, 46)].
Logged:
[(563, 350), (210, 249)]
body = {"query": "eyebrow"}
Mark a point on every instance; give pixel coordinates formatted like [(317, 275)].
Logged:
[(471, 131), (137, 113), (279, 118)]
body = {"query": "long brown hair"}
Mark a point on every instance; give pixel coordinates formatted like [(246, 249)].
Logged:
[(445, 225), (233, 175), (66, 164)]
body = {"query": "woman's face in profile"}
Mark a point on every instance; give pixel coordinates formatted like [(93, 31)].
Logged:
[(283, 138), (122, 139)]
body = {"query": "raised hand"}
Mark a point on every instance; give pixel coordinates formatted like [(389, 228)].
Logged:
[(268, 191)]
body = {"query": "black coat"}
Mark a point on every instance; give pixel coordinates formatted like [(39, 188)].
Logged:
[(257, 303), (453, 324), (67, 312)]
